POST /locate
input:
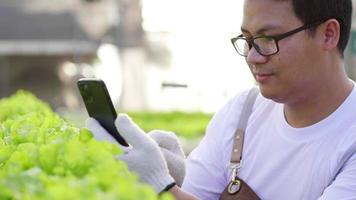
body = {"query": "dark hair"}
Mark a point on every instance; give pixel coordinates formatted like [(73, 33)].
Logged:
[(311, 11)]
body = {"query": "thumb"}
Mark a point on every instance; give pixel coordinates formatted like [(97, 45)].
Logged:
[(167, 140), (98, 131), (133, 134), (100, 134)]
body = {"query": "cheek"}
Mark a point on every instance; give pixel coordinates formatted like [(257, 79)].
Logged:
[(297, 73), (294, 57), (291, 67)]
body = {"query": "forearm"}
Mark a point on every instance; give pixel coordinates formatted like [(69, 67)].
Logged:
[(181, 195)]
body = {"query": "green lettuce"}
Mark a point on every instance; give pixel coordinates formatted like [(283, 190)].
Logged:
[(42, 156)]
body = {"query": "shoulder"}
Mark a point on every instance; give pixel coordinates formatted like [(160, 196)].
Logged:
[(343, 153), (229, 114), (229, 111), (347, 144), (343, 183)]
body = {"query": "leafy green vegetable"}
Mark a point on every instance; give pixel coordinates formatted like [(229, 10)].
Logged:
[(187, 125), (43, 156)]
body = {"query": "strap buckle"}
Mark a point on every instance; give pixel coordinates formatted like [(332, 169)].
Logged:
[(235, 167)]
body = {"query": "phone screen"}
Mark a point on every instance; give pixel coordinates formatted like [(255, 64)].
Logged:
[(99, 105)]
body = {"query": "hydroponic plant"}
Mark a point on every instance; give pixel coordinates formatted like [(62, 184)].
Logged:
[(42, 156)]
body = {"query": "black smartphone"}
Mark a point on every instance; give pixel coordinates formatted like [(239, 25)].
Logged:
[(99, 105)]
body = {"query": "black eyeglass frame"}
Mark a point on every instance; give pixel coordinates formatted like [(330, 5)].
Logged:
[(276, 38)]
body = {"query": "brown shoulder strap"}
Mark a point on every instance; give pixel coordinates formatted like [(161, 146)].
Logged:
[(236, 155)]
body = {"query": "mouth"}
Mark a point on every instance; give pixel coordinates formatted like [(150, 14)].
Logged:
[(263, 77)]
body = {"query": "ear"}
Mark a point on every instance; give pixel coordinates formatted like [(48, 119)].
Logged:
[(331, 34)]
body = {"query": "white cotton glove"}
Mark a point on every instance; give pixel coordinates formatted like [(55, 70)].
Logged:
[(167, 141), (173, 153), (144, 158), (101, 134)]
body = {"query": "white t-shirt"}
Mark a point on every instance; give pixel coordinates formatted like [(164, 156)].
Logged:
[(279, 162)]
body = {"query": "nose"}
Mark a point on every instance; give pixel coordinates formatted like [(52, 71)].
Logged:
[(253, 57)]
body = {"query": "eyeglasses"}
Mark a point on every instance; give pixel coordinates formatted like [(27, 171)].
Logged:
[(265, 45)]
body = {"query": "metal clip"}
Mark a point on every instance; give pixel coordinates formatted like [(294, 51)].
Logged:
[(235, 183), (234, 174), (235, 167), (234, 187)]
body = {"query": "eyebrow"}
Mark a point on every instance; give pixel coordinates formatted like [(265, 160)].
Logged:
[(261, 30)]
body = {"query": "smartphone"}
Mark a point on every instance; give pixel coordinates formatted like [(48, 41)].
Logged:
[(99, 105)]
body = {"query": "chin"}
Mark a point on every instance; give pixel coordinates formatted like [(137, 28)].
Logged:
[(271, 94)]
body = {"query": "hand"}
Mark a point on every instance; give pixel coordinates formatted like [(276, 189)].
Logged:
[(145, 157), (167, 141), (173, 153)]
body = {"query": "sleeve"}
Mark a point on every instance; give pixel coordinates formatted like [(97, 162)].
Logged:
[(207, 165), (344, 185), (204, 172)]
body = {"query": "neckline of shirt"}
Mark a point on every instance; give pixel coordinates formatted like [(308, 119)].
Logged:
[(318, 129)]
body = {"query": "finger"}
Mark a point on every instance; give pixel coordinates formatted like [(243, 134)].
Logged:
[(93, 125), (167, 140), (171, 156), (130, 158), (98, 131), (133, 134), (123, 157), (168, 155), (100, 134), (126, 158), (175, 165), (125, 149)]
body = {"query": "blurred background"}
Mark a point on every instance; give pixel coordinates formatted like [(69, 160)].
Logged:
[(169, 63)]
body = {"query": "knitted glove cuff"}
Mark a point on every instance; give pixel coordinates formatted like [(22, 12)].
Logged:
[(159, 182)]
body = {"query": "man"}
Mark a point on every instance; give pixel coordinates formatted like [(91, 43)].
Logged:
[(300, 141)]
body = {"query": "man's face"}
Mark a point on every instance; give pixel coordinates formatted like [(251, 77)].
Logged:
[(285, 76)]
